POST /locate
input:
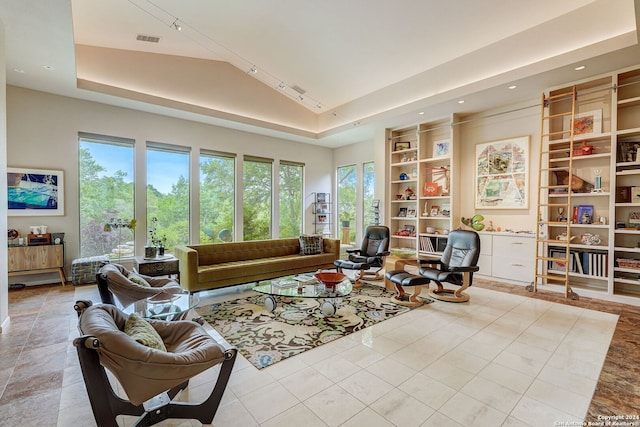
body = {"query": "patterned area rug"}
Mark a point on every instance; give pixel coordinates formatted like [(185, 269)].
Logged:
[(297, 324)]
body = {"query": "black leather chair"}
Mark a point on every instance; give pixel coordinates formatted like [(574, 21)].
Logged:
[(371, 254), (456, 266)]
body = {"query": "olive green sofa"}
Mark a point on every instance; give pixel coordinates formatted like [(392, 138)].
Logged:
[(216, 265)]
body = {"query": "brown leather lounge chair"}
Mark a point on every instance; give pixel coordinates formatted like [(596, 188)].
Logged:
[(114, 279), (149, 377)]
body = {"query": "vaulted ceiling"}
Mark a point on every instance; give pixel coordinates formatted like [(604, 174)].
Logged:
[(324, 72)]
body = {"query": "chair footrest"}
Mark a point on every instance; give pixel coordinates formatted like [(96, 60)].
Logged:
[(403, 278), (350, 265)]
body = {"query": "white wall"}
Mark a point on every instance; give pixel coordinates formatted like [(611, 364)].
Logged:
[(4, 288), (43, 131)]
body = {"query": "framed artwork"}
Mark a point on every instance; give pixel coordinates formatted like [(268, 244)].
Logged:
[(399, 146), (634, 218), (585, 123), (375, 204), (442, 148), (35, 192), (322, 218), (322, 197), (585, 214), (502, 174), (411, 213), (402, 212), (430, 189), (435, 211)]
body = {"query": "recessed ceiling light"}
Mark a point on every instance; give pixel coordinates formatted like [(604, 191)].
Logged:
[(421, 113), (461, 101), (580, 67), (48, 67), (513, 87)]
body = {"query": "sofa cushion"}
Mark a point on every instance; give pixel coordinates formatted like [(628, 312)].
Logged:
[(278, 265), (310, 244), (141, 331), (138, 280)]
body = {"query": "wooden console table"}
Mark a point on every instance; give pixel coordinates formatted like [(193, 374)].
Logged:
[(38, 259), (160, 266)]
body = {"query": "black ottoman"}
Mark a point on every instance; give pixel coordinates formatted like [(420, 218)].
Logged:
[(401, 278)]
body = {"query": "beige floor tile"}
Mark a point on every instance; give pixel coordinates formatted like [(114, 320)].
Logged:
[(305, 383), (567, 401), (427, 390), (535, 413), (365, 386), (334, 405), (507, 377), (391, 371), (266, 402), (402, 409), (472, 412), (448, 374), (493, 394), (439, 420), (369, 418), (299, 415)]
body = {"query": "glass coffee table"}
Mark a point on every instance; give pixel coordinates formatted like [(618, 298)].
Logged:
[(164, 306), (303, 286)]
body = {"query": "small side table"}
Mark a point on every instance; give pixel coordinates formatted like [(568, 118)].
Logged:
[(159, 266)]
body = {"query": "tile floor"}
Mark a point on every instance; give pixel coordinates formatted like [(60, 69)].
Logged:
[(507, 358)]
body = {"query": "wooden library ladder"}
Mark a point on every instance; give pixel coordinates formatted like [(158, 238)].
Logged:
[(554, 145)]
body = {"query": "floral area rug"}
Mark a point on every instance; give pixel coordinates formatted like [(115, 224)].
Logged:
[(297, 324)]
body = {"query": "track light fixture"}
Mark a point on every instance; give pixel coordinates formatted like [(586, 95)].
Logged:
[(204, 40)]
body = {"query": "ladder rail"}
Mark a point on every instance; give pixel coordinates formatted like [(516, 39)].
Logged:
[(542, 255)]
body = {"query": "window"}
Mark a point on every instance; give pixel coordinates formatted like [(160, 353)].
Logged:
[(290, 203), (106, 199), (217, 197), (168, 193), (258, 183), (368, 193), (347, 198)]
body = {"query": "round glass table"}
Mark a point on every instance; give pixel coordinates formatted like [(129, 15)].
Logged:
[(303, 286)]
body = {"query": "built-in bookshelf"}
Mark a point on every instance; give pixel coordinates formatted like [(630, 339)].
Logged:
[(422, 202)]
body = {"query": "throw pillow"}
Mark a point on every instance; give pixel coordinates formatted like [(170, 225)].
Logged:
[(141, 331), (310, 244), (138, 280)]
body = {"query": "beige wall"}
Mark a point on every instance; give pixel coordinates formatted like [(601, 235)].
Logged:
[(525, 120), (43, 133)]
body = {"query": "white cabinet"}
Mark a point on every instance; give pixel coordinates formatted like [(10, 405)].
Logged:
[(507, 256)]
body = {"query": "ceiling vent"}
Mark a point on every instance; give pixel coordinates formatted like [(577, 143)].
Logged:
[(298, 89), (150, 39)]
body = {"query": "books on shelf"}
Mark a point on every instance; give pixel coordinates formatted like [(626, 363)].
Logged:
[(432, 243), (589, 263)]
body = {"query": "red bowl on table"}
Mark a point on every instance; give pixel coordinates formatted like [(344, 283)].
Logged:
[(330, 279)]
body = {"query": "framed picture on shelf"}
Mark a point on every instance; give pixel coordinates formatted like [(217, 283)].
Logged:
[(322, 208), (322, 218), (442, 148), (411, 229), (322, 197), (585, 123), (634, 218), (411, 213), (35, 192), (375, 204), (435, 211), (402, 212), (430, 189), (400, 146), (585, 214)]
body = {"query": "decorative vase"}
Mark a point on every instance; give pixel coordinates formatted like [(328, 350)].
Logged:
[(150, 251), (161, 251)]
